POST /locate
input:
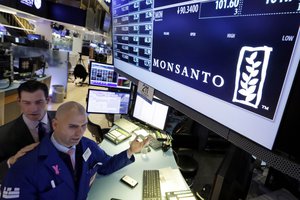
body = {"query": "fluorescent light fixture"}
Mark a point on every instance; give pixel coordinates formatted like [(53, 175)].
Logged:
[(5, 10), (15, 27)]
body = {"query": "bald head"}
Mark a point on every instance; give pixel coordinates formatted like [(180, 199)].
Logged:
[(70, 123), (70, 107)]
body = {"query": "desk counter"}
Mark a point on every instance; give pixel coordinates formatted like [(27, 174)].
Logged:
[(110, 186)]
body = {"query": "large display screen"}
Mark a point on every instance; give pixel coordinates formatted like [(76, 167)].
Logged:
[(104, 75), (107, 102), (232, 60)]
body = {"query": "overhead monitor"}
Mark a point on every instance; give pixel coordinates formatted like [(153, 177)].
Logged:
[(104, 75), (233, 62), (153, 114), (107, 102)]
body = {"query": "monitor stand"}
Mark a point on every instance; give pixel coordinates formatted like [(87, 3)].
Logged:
[(112, 117), (43, 72), (117, 116)]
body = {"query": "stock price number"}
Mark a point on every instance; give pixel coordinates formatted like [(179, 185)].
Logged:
[(277, 1), (194, 8), (268, 2), (223, 4)]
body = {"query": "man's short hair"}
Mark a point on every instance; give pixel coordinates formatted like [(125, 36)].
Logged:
[(33, 86)]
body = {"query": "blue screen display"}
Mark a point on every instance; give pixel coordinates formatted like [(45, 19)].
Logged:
[(104, 75), (216, 57)]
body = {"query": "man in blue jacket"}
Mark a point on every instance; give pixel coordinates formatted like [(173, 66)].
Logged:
[(49, 172)]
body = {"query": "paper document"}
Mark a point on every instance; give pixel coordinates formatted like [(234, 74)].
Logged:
[(142, 132), (171, 180)]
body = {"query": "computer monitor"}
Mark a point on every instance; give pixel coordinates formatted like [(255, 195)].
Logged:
[(26, 67), (34, 37), (104, 75), (31, 66), (107, 102), (153, 114)]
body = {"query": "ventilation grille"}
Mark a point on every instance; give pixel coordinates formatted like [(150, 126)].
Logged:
[(285, 166)]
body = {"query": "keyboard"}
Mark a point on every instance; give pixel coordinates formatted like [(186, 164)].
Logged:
[(151, 185), (126, 125)]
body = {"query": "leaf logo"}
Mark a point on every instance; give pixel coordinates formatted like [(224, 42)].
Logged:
[(251, 74), (249, 80)]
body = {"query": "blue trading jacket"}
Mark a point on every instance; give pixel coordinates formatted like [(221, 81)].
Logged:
[(42, 174)]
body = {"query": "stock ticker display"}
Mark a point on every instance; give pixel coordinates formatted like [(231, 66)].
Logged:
[(238, 51)]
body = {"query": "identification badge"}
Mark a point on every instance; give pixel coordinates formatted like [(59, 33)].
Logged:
[(86, 154)]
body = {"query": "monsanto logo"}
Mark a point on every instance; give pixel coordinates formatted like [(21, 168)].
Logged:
[(250, 75)]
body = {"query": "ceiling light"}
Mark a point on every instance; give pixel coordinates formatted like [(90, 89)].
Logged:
[(8, 11)]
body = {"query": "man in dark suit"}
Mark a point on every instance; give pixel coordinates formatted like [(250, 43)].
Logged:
[(21, 135), (50, 171)]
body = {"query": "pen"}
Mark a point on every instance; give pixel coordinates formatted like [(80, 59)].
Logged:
[(98, 163), (53, 184)]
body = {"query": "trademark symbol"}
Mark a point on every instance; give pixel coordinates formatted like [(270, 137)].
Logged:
[(265, 107)]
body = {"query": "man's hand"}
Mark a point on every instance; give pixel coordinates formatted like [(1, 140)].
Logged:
[(137, 145), (21, 153)]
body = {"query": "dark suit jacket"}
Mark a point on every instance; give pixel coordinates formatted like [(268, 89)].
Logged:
[(15, 135)]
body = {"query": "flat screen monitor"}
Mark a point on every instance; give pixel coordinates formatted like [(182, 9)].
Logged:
[(26, 67), (107, 102), (153, 114), (233, 62), (34, 37), (104, 75)]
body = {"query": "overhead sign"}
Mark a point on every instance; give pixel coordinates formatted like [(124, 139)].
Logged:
[(35, 7), (145, 91), (32, 3)]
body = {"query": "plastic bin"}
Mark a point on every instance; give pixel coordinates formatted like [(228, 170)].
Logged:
[(58, 93)]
